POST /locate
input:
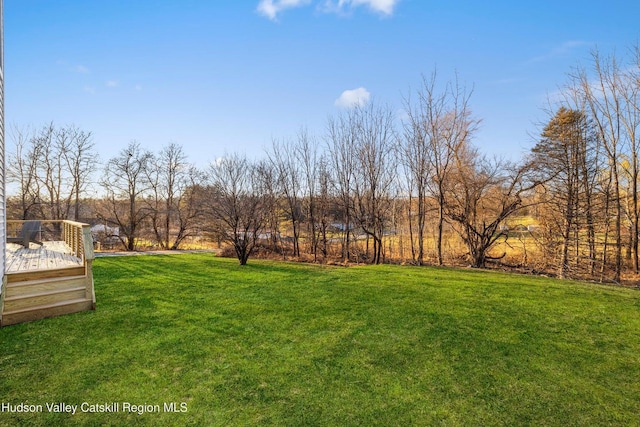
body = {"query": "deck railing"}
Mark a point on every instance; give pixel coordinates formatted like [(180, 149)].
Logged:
[(51, 291), (76, 235)]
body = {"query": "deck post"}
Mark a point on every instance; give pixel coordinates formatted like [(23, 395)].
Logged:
[(87, 240)]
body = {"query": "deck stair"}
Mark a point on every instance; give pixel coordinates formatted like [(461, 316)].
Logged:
[(46, 297), (32, 295)]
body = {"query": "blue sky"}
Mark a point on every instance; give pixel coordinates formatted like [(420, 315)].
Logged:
[(225, 76)]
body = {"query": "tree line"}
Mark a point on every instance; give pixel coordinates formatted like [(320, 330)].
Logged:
[(368, 189)]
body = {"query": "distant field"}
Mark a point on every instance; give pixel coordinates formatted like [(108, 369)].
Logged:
[(293, 344)]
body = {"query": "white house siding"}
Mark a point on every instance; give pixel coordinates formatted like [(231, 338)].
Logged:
[(3, 237)]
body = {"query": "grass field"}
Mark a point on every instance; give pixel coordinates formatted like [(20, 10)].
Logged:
[(292, 344)]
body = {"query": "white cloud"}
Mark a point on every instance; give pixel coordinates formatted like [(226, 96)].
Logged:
[(384, 7), (90, 89), (81, 69), (138, 88), (271, 8), (352, 98), (112, 83)]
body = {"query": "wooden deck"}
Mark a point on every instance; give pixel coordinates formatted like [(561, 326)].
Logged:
[(51, 255), (49, 280)]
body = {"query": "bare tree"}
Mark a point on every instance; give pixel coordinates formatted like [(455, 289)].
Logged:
[(308, 157), (271, 191), (590, 159), (604, 99), (50, 174), (415, 156), (282, 156), (237, 202), (482, 195), (188, 206), (629, 82), (125, 182), (323, 205), (375, 172), (172, 198), (78, 151), (22, 169), (53, 168), (341, 142), (438, 123)]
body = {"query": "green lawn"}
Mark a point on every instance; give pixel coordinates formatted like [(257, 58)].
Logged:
[(292, 344)]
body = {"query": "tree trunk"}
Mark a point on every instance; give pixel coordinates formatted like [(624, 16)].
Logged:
[(636, 214), (414, 257), (618, 224), (421, 225), (440, 230)]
